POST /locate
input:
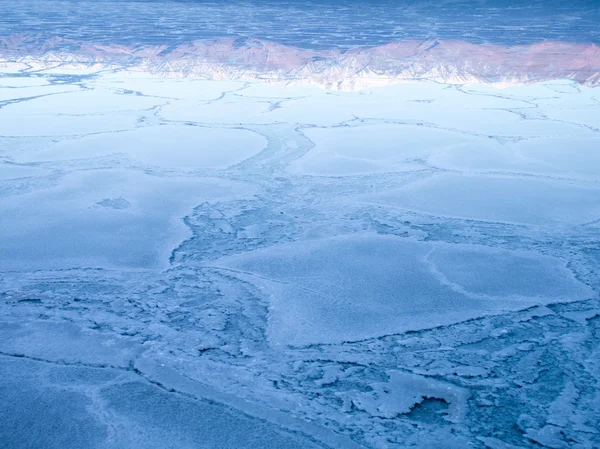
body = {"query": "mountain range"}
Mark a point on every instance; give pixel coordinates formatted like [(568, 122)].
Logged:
[(450, 61)]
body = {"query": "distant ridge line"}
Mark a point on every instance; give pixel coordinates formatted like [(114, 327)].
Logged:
[(448, 61)]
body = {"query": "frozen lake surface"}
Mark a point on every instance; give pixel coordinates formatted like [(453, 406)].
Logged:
[(190, 263)]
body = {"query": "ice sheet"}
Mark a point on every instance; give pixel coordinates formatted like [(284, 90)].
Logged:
[(385, 268), (360, 287)]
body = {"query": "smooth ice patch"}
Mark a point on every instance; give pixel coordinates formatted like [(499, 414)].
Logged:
[(571, 156), (14, 171), (345, 151), (22, 81), (499, 274), (70, 225), (545, 155), (13, 125), (532, 201), (174, 146), (358, 287)]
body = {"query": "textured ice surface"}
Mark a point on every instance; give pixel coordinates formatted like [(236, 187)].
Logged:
[(404, 391), (111, 408), (186, 263), (361, 287)]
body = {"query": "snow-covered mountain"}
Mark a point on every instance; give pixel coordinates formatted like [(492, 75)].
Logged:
[(252, 59)]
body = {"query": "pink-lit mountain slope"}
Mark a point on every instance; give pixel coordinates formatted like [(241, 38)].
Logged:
[(250, 59)]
